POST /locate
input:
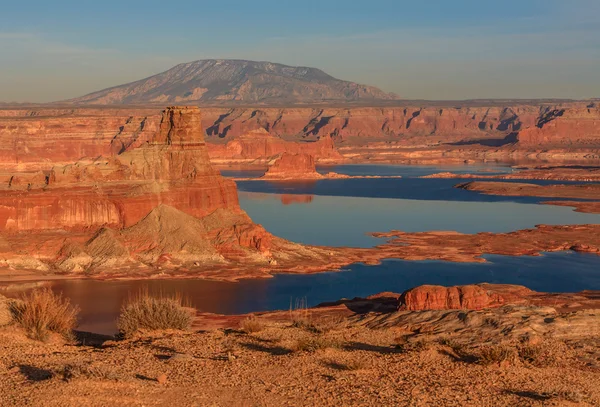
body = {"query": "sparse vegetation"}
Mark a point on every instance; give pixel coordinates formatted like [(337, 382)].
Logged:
[(42, 312), (496, 354), (299, 314), (252, 324), (314, 343), (147, 312), (541, 354), (405, 345)]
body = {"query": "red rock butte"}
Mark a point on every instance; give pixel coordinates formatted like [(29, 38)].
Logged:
[(161, 202), (294, 166), (470, 297)]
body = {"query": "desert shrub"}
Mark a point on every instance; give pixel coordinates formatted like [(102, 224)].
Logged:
[(314, 343), (42, 311), (539, 355), (153, 313), (251, 325), (299, 314), (495, 354), (530, 353)]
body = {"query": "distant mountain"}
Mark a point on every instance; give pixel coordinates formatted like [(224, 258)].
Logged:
[(222, 80)]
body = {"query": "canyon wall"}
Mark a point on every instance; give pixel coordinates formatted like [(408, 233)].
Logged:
[(171, 168), (161, 203), (29, 137)]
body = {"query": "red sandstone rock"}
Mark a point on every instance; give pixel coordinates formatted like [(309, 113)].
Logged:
[(159, 203), (471, 297), (260, 145), (293, 166), (551, 132)]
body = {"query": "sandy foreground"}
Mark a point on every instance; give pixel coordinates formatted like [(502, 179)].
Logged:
[(342, 355)]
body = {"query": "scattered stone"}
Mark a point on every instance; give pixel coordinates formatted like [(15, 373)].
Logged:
[(161, 379)]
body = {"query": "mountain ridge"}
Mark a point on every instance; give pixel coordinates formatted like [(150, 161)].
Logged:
[(236, 80)]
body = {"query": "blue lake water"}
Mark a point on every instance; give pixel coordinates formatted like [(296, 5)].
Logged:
[(559, 272), (340, 213), (345, 221)]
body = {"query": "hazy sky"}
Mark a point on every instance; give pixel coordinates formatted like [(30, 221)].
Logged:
[(52, 50)]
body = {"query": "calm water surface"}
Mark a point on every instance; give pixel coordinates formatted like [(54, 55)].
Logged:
[(341, 213), (559, 272)]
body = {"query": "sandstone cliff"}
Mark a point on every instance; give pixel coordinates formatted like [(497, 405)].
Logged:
[(28, 137), (467, 297), (293, 166), (160, 205), (260, 146)]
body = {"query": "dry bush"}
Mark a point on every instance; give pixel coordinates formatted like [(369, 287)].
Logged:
[(299, 314), (495, 354), (405, 345), (314, 343), (153, 313), (539, 355), (251, 325), (41, 312)]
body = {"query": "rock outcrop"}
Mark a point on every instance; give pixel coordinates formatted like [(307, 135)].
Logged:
[(161, 204), (413, 133), (293, 166), (260, 146), (468, 297)]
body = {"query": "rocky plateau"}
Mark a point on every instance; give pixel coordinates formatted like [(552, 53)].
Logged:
[(414, 133)]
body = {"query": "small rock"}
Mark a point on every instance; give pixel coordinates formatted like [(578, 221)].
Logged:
[(162, 379), (505, 364)]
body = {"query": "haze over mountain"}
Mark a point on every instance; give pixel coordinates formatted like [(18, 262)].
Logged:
[(219, 80)]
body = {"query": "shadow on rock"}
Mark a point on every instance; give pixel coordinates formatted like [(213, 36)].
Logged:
[(371, 348), (273, 350)]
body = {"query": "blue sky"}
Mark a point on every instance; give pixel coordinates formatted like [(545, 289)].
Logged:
[(419, 49)]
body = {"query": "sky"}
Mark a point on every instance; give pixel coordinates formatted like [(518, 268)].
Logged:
[(434, 49)]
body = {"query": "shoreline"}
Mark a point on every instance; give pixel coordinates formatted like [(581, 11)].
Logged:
[(433, 245)]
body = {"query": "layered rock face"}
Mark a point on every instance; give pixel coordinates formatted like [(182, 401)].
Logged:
[(293, 166), (30, 138), (172, 168), (160, 203), (374, 123), (544, 131), (260, 145), (569, 127), (468, 297)]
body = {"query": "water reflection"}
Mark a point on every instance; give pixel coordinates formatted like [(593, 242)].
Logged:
[(290, 199), (345, 221), (554, 272)]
